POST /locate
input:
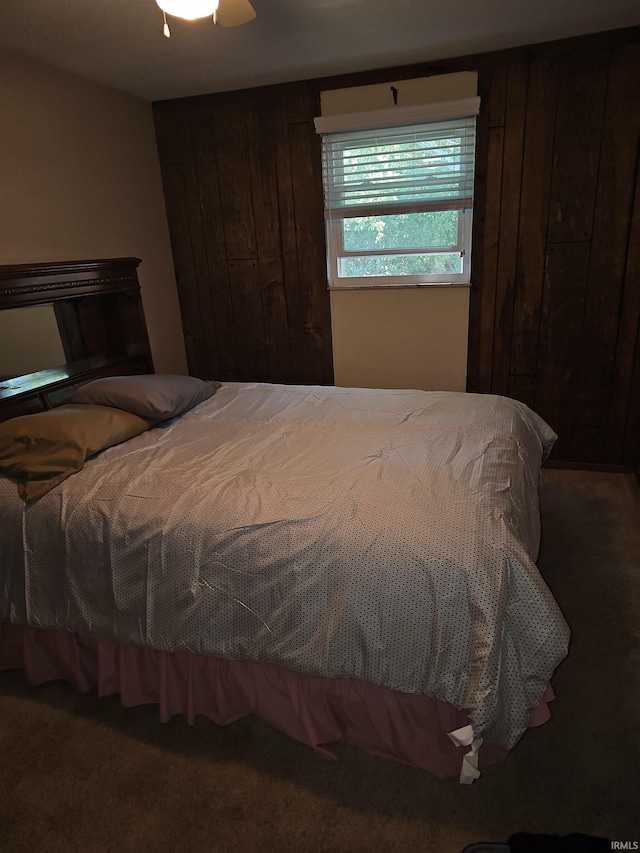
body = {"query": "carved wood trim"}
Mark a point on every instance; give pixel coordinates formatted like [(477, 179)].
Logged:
[(30, 284)]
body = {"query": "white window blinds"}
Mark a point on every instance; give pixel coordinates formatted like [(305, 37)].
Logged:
[(398, 169)]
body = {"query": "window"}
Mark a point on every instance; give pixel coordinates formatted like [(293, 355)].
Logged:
[(398, 199)]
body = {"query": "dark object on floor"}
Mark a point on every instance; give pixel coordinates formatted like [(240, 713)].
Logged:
[(487, 847), (524, 842)]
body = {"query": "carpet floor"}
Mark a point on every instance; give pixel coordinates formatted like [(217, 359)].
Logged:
[(79, 773)]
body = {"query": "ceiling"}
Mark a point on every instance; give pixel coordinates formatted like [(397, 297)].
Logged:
[(120, 42)]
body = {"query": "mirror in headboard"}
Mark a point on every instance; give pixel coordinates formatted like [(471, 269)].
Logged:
[(96, 309), (29, 340)]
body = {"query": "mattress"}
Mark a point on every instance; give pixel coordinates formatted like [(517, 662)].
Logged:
[(387, 536)]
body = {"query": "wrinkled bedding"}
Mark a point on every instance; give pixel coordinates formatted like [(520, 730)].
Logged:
[(388, 536)]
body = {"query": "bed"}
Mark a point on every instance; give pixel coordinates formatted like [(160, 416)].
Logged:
[(349, 564)]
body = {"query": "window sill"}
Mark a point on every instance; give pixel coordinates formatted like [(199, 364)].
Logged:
[(447, 284)]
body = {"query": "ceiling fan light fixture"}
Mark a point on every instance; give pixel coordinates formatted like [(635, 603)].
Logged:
[(190, 10)]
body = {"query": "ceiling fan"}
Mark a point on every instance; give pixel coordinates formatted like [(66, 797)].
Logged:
[(225, 13)]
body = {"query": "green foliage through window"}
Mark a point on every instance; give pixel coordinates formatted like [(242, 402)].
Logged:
[(400, 265), (434, 230)]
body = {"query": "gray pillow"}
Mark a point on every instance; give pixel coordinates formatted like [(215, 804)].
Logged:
[(152, 395)]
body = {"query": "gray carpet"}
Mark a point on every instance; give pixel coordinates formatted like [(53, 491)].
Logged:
[(79, 773)]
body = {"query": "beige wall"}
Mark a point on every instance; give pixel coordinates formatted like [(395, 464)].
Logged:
[(80, 179), (401, 337)]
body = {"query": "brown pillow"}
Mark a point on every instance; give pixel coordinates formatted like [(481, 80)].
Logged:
[(42, 450), (152, 395)]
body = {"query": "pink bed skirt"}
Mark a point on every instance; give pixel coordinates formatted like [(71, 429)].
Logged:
[(315, 711)]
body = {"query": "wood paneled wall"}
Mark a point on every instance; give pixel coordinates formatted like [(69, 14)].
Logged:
[(243, 187), (555, 299), (557, 291)]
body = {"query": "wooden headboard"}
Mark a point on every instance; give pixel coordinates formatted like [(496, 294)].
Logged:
[(100, 318)]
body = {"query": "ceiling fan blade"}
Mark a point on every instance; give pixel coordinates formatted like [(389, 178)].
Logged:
[(234, 13)]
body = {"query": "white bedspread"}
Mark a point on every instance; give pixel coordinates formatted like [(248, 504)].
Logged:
[(383, 535)]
